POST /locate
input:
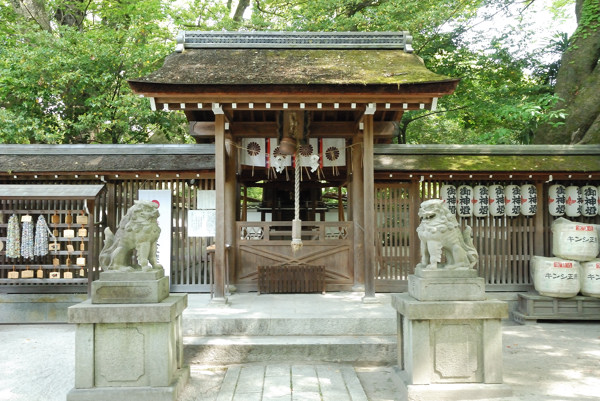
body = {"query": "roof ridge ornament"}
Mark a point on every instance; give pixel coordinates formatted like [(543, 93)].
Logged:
[(400, 40)]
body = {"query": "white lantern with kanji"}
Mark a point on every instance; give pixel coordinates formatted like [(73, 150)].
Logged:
[(557, 195), (589, 207), (573, 201), (448, 195), (481, 201), (528, 200), (497, 200), (465, 200), (512, 194)]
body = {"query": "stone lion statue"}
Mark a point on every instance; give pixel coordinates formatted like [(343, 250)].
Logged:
[(440, 233), (139, 231)]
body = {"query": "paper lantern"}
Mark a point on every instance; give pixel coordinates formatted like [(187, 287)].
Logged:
[(573, 201), (497, 200), (589, 207), (465, 200), (557, 195), (481, 201), (512, 194), (528, 200), (448, 195)]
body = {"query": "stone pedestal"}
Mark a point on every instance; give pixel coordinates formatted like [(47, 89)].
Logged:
[(449, 349), (130, 287), (448, 285), (129, 351)]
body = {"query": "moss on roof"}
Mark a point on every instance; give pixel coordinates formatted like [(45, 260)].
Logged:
[(484, 163), (297, 66)]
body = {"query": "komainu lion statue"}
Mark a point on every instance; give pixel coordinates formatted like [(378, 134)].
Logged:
[(139, 231), (440, 233)]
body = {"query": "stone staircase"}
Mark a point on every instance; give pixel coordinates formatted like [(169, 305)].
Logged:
[(291, 328)]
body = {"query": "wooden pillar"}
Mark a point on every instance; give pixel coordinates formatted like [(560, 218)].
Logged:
[(369, 205), (220, 178), (358, 212), (414, 194), (539, 237), (231, 206)]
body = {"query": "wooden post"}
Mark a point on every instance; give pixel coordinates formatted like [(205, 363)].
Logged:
[(414, 194), (538, 245), (220, 179), (369, 206), (231, 207), (358, 212)]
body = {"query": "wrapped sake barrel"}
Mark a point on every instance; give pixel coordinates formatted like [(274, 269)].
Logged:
[(465, 200), (528, 200), (497, 200), (556, 277), (557, 195), (589, 207), (481, 201), (573, 201), (574, 241), (448, 195), (590, 278), (512, 194)]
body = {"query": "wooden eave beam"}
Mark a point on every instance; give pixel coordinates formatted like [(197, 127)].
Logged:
[(339, 93), (269, 129)]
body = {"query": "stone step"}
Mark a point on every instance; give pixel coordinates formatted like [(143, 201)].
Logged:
[(357, 350), (199, 325)]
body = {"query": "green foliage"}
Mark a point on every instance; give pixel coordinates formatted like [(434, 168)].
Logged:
[(70, 85), (64, 67)]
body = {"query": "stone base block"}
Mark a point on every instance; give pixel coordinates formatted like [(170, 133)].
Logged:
[(451, 392), (446, 288), (130, 349), (169, 393), (129, 291), (450, 342)]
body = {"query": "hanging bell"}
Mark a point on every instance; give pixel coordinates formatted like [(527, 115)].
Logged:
[(287, 145)]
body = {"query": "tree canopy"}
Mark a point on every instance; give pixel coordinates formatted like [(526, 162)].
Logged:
[(64, 64)]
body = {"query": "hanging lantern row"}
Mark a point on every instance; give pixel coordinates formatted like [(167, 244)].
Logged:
[(574, 201), (492, 200)]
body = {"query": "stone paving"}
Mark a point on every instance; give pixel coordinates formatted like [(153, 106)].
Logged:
[(542, 362)]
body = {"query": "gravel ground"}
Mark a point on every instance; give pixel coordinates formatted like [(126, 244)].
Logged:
[(546, 361)]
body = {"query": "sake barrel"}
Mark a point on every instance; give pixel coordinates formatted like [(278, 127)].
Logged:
[(448, 195), (555, 277), (465, 200), (557, 195), (497, 200), (574, 241), (512, 194), (528, 200), (573, 201), (481, 201), (589, 206), (590, 278)]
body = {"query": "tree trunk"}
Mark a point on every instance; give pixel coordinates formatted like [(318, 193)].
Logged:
[(578, 83), (241, 8), (34, 9)]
